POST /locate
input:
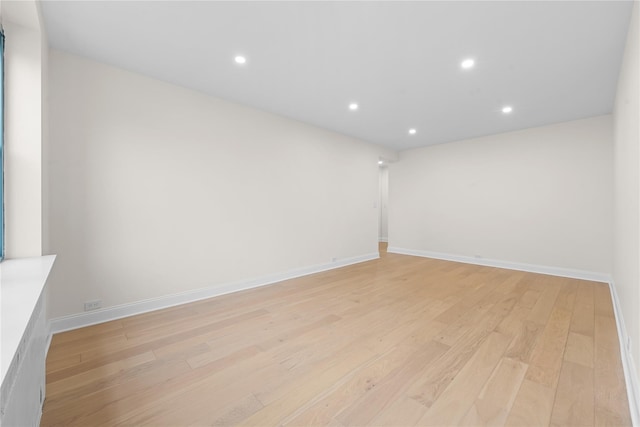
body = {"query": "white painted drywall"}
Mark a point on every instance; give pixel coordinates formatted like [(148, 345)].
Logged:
[(540, 196), (23, 137), (626, 252), (44, 97), (156, 189)]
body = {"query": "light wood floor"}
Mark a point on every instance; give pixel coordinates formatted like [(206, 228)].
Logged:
[(397, 341)]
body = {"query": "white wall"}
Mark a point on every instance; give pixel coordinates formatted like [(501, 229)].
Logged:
[(157, 190), (25, 131), (626, 260), (540, 196), (44, 155)]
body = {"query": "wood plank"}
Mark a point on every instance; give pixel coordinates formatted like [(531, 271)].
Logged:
[(493, 302), (450, 407), (582, 321), (524, 340), (603, 306), (212, 387), (319, 380), (99, 398), (435, 378), (62, 362), (390, 387), (542, 309), (235, 413), (126, 352), (579, 349), (574, 403), (359, 345), (101, 329), (567, 295), (530, 298), (92, 375), (611, 404), (361, 382), (496, 398), (532, 406), (546, 359), (404, 411)]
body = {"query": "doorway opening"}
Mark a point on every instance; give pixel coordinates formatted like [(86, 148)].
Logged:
[(383, 202)]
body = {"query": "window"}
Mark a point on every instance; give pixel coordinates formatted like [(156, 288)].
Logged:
[(1, 146)]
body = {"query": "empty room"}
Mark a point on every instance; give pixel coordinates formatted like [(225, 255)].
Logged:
[(305, 213)]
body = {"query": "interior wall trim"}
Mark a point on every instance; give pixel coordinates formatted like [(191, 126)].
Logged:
[(628, 364), (509, 265)]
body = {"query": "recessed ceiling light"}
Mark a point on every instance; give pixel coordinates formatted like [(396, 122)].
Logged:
[(240, 59), (507, 109), (412, 131), (380, 162), (467, 63), (353, 106)]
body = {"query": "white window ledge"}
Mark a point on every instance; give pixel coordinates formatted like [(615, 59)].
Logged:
[(21, 284)]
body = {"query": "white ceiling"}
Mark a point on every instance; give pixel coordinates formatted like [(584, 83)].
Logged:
[(400, 61)]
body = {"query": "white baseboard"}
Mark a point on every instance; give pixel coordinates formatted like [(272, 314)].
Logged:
[(628, 364), (81, 320), (509, 265)]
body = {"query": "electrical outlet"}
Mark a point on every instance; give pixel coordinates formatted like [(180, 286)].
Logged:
[(334, 259), (92, 305)]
